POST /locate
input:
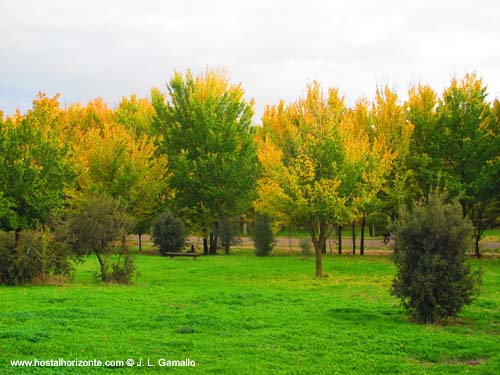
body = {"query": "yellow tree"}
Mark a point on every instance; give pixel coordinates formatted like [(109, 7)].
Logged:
[(136, 114), (110, 160), (315, 157), (392, 128), (94, 115), (370, 157)]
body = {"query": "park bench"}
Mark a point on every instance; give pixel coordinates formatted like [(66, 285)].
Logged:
[(172, 255)]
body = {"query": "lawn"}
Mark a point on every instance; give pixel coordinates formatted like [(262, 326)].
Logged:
[(241, 314)]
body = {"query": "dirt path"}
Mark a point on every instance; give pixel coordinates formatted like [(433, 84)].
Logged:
[(372, 245), (294, 243)]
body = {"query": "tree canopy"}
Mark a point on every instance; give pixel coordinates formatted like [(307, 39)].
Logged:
[(205, 129), (318, 161)]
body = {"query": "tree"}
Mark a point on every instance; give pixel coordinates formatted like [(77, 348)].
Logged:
[(468, 146), (94, 225), (315, 157), (423, 161), (379, 159), (434, 281), (36, 257), (35, 169), (263, 236), (205, 128), (110, 160), (94, 115), (136, 114), (229, 232), (456, 144), (169, 233), (390, 125)]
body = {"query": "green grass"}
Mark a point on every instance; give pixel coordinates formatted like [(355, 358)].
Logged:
[(491, 235), (246, 315)]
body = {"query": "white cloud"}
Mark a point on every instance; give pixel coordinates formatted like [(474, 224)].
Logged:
[(86, 49)]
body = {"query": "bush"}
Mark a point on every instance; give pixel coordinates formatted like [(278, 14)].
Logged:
[(434, 280), (228, 232), (123, 267), (263, 237), (38, 258), (169, 233), (98, 225), (306, 247)]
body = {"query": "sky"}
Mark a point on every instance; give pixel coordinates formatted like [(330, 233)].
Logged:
[(114, 48)]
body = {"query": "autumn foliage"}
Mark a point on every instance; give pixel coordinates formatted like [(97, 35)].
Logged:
[(315, 162), (321, 163)]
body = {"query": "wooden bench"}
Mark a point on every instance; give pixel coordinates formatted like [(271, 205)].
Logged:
[(172, 255)]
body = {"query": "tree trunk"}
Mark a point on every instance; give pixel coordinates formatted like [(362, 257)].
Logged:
[(45, 241), (140, 241), (216, 236), (478, 233), (322, 233), (211, 244), (18, 240), (205, 242), (353, 227), (362, 243), (478, 253), (318, 245), (104, 268), (319, 264), (340, 238), (205, 245)]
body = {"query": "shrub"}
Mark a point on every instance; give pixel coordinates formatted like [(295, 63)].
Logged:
[(434, 280), (169, 233), (263, 237), (38, 257), (306, 247), (123, 267), (98, 225), (228, 232)]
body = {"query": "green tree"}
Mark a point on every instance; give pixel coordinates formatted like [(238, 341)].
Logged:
[(205, 129), (35, 169), (423, 161), (469, 147), (456, 144)]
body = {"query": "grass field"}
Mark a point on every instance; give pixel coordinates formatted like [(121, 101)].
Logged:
[(241, 314)]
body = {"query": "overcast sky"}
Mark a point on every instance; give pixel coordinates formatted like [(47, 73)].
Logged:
[(87, 49)]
